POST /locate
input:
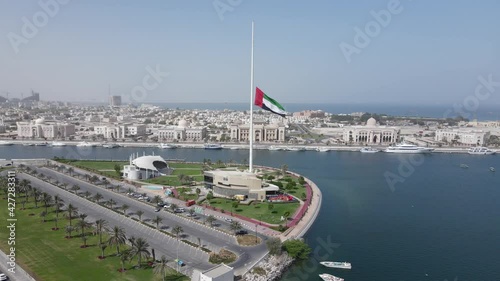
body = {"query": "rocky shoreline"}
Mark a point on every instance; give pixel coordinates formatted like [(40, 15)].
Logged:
[(269, 269)]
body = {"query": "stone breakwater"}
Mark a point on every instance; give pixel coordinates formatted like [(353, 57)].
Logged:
[(269, 269)]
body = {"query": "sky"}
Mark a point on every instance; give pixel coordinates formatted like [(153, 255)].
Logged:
[(428, 52)]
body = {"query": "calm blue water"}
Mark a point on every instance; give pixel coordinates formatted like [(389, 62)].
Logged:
[(483, 112), (441, 223)]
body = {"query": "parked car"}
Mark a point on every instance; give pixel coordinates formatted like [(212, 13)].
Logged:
[(3, 276), (228, 220), (167, 206), (241, 232), (158, 209), (179, 210)]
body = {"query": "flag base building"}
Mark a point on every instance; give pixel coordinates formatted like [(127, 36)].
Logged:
[(228, 184)]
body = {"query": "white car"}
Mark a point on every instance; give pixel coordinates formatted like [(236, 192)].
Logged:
[(3, 276), (228, 220)]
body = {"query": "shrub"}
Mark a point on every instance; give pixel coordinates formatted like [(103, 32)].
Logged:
[(297, 249)]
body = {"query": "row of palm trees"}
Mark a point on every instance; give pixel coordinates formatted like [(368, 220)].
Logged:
[(139, 247)]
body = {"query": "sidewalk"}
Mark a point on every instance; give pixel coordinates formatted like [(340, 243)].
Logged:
[(19, 275)]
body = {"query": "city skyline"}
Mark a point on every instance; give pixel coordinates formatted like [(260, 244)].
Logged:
[(423, 52)]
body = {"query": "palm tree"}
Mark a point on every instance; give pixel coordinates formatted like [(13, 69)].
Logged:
[(125, 256), (84, 239), (284, 168), (57, 204), (157, 199), (117, 237), (235, 226), (75, 188), (65, 186), (173, 206), (47, 200), (36, 197), (55, 224), (70, 171), (139, 213), (100, 226), (43, 214), (124, 208), (69, 229), (105, 183), (286, 215), (177, 230), (191, 212), (97, 197), (71, 211), (111, 202), (87, 177), (82, 225), (211, 219), (140, 249), (93, 179), (157, 220), (87, 194), (160, 267), (103, 247)]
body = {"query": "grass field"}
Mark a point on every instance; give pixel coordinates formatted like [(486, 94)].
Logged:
[(187, 172), (175, 165), (49, 256), (259, 211)]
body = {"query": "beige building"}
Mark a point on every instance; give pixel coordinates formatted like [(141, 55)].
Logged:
[(262, 132), (182, 132), (370, 134), (41, 129), (120, 131), (220, 272), (227, 184), (462, 136)]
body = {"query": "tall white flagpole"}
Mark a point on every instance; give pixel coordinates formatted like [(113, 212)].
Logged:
[(251, 133)]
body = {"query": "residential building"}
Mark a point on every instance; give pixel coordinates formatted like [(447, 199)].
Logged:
[(182, 132), (463, 136)]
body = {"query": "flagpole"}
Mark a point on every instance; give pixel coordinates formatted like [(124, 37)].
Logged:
[(250, 135)]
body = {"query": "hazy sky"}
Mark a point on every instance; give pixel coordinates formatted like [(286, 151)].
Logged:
[(430, 52)]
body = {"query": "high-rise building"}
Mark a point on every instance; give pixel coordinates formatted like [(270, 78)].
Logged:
[(115, 100)]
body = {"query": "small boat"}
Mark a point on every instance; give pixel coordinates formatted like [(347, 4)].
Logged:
[(479, 150), (465, 166), (492, 169), (110, 145), (329, 277), (41, 144), (322, 149), (274, 148), (213, 146), (85, 144), (368, 150), (6, 143), (234, 148), (28, 144), (55, 143), (336, 264), (296, 148), (167, 146)]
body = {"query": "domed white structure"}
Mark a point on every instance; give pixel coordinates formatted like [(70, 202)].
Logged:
[(183, 124), (371, 122), (145, 167), (40, 121)]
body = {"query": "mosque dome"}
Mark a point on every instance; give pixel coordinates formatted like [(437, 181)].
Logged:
[(183, 124), (40, 121), (371, 122)]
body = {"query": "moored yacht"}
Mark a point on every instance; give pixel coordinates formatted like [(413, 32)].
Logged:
[(6, 143), (408, 148), (336, 264), (479, 150), (213, 146), (322, 149), (110, 145), (41, 144), (56, 143), (274, 148), (329, 277), (85, 144), (368, 150), (167, 146)]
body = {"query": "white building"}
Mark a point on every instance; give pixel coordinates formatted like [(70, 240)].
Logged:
[(145, 167), (120, 131), (262, 132), (182, 132), (220, 272), (41, 129), (370, 134), (461, 136)]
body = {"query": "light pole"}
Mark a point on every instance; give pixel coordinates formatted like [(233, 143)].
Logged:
[(256, 233)]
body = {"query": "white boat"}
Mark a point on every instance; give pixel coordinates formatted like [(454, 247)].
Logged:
[(28, 144), (6, 143), (322, 149), (368, 150), (167, 146), (86, 144), (479, 150), (213, 146), (336, 264), (274, 148), (56, 143), (464, 166), (234, 148), (329, 277), (110, 145), (492, 169), (295, 148), (41, 144), (408, 148)]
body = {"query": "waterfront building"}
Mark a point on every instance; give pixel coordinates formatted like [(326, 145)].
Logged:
[(181, 132), (41, 129), (262, 132), (370, 134), (227, 184), (145, 167), (220, 272), (120, 131), (462, 136)]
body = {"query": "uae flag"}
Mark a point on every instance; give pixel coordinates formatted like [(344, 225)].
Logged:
[(265, 102)]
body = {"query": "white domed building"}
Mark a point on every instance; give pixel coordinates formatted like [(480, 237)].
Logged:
[(146, 167), (40, 128), (182, 132), (371, 134)]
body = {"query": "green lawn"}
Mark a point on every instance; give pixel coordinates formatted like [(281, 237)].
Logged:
[(187, 172), (175, 165), (49, 256), (260, 211), (98, 165), (171, 180)]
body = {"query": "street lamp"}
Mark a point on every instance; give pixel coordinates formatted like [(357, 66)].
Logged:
[(256, 233)]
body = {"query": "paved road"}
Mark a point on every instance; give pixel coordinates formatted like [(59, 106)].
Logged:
[(213, 239)]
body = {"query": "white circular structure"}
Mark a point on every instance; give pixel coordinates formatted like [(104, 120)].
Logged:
[(40, 121), (371, 122), (151, 162), (183, 124)]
